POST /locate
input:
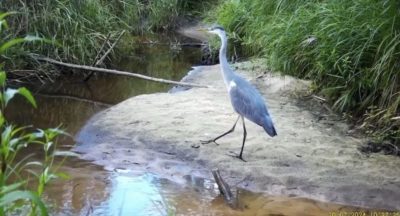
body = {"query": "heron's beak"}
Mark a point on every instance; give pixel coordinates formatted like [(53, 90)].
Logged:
[(203, 30)]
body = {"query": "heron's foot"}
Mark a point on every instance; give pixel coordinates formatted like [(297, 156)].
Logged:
[(205, 142), (239, 156)]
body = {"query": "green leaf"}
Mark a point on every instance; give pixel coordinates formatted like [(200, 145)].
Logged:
[(30, 38), (9, 94), (34, 163), (51, 133), (3, 23), (5, 138), (56, 130), (33, 172), (15, 41), (38, 134), (65, 153), (12, 187), (16, 130), (3, 15), (27, 94), (63, 175), (10, 43), (48, 145), (2, 78), (19, 195), (15, 142), (2, 119)]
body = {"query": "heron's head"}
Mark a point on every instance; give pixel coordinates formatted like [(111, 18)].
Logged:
[(218, 30)]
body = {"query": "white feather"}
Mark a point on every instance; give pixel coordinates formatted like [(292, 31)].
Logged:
[(232, 85)]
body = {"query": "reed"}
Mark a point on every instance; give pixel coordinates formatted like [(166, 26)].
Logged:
[(80, 27), (350, 49)]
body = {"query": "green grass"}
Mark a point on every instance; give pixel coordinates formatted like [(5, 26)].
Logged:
[(81, 26), (349, 48)]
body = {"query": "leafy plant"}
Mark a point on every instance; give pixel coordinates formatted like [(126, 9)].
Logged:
[(13, 139), (15, 197)]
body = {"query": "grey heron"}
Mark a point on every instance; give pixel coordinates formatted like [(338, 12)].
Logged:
[(245, 98)]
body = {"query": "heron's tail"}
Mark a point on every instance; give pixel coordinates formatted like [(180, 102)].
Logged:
[(269, 126)]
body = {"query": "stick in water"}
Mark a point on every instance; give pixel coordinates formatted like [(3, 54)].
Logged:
[(224, 189), (117, 72)]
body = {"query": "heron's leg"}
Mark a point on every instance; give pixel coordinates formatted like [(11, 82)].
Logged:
[(224, 134), (244, 140)]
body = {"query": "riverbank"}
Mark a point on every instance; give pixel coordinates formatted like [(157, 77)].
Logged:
[(312, 156), (349, 49)]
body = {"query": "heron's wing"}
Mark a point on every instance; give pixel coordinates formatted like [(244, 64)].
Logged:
[(247, 101)]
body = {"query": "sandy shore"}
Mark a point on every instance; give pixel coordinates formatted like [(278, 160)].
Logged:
[(311, 157)]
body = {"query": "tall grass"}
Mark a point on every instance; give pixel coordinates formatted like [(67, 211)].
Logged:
[(350, 48), (81, 26)]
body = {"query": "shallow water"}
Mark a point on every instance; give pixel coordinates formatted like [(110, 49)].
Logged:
[(71, 102), (91, 190)]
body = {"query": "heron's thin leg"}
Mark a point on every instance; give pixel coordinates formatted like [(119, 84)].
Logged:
[(244, 140), (216, 138)]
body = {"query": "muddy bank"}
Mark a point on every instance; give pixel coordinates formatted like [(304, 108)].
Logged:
[(311, 157)]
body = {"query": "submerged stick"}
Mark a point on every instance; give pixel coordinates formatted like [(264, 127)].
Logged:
[(117, 72), (224, 189), (75, 98)]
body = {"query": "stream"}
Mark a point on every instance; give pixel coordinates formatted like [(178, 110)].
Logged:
[(93, 190)]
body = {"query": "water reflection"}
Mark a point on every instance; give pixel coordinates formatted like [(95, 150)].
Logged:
[(135, 196), (86, 189)]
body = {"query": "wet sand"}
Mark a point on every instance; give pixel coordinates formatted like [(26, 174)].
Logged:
[(312, 156)]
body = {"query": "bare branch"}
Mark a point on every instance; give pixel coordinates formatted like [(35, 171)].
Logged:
[(117, 72), (224, 189)]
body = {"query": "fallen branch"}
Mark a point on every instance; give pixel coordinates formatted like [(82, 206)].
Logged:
[(117, 72), (224, 189), (319, 98)]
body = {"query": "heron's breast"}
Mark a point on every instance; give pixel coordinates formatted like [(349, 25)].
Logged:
[(231, 85)]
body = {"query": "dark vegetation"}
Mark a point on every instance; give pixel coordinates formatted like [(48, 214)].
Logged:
[(78, 28), (349, 48)]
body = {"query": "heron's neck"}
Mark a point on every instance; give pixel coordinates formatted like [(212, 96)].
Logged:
[(222, 50), (226, 71)]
